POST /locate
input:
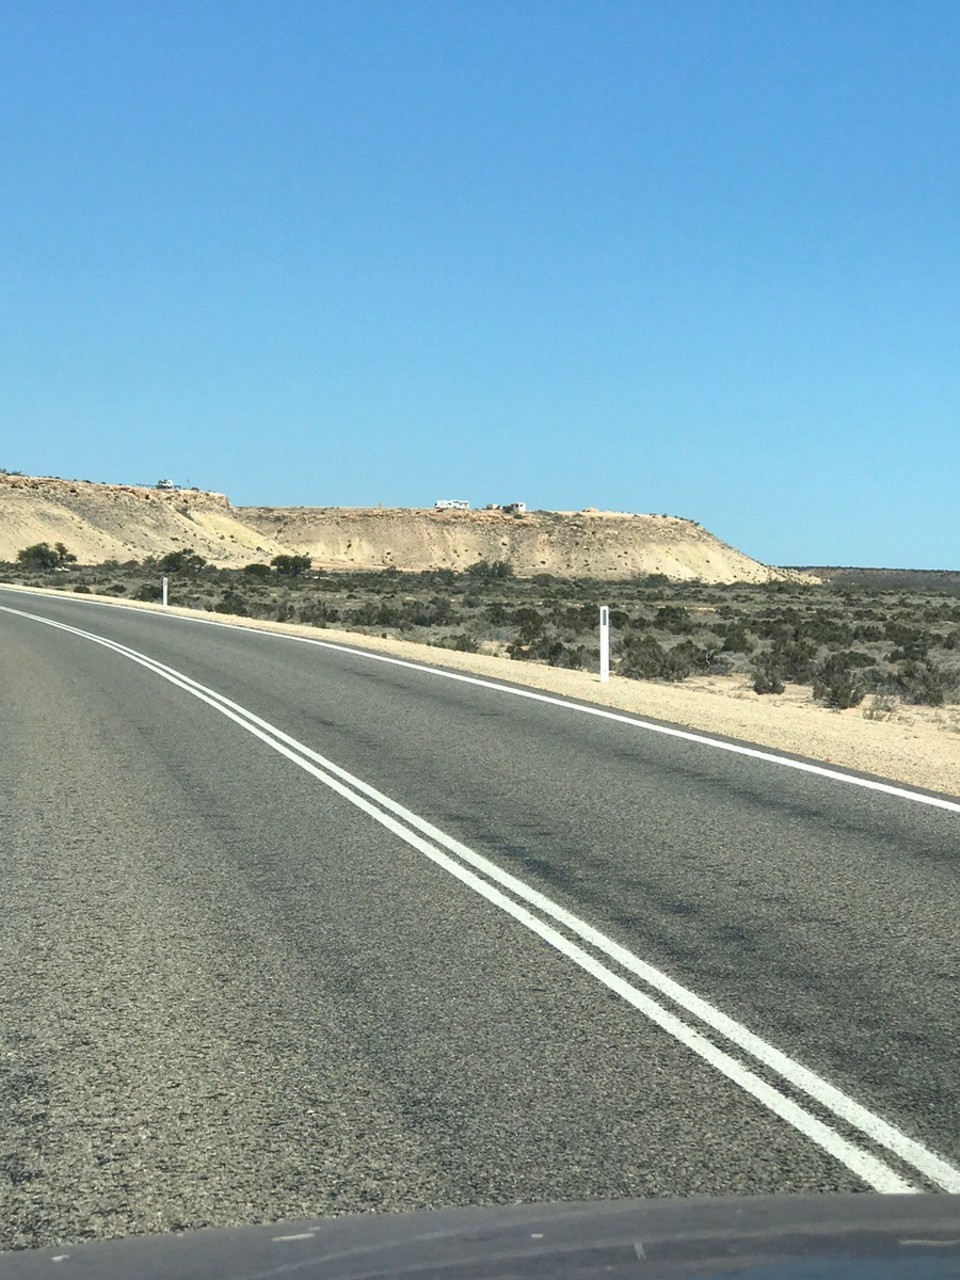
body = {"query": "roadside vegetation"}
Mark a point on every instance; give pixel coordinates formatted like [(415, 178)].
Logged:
[(866, 637)]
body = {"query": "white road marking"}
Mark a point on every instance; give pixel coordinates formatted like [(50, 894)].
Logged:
[(872, 1170), (687, 735), (301, 1235)]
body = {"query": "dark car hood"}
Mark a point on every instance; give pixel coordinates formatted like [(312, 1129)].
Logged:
[(856, 1237)]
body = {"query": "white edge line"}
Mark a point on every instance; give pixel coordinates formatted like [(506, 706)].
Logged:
[(755, 753), (873, 1171)]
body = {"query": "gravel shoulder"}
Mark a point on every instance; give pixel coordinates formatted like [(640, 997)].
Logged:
[(917, 746)]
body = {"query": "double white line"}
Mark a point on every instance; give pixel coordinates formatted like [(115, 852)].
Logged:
[(541, 915)]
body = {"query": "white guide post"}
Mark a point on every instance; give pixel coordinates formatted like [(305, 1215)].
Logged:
[(164, 593), (604, 643)]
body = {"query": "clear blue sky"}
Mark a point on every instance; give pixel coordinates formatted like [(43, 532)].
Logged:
[(688, 256)]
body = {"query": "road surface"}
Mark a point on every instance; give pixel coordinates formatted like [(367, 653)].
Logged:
[(288, 929)]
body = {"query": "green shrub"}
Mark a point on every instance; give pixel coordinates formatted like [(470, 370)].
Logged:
[(530, 623), (910, 643), (736, 638), (856, 658), (923, 683), (40, 556), (185, 561), (551, 651), (232, 602), (291, 566), (487, 571), (461, 642), (767, 673), (674, 618), (836, 684), (796, 658), (365, 616), (881, 707), (644, 658)]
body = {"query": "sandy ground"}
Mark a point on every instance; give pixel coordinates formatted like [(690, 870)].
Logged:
[(918, 746)]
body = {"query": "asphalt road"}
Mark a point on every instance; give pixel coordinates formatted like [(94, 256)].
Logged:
[(231, 993)]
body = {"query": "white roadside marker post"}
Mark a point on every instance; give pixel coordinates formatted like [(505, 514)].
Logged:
[(164, 592), (604, 643)]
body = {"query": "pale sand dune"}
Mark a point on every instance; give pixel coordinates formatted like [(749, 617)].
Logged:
[(917, 746)]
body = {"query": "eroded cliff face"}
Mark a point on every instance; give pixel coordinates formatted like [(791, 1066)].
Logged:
[(99, 522), (128, 522), (566, 544)]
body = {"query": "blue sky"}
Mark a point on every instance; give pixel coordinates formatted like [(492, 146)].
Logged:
[(688, 256)]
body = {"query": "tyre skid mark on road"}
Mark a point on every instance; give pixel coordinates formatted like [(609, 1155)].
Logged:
[(493, 884)]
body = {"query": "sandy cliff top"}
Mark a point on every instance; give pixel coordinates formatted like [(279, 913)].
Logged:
[(122, 522), (128, 522), (597, 544)]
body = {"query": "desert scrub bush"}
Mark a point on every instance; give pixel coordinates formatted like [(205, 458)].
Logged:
[(766, 673), (461, 642), (923, 683), (836, 684), (38, 557), (823, 628), (868, 632), (674, 618), (291, 566), (644, 658), (443, 612), (318, 615), (880, 707), (857, 658), (184, 561), (487, 571), (683, 660), (232, 602), (736, 638), (529, 623), (909, 642), (796, 658), (641, 657), (496, 614), (552, 651), (365, 616)]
